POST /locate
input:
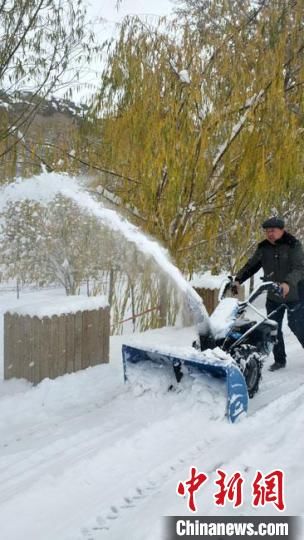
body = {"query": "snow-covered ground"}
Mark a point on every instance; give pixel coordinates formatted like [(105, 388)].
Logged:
[(87, 457)]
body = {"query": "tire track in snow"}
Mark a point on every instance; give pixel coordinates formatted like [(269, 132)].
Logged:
[(104, 522), (41, 429), (64, 452), (135, 446), (56, 456), (49, 459), (275, 385)]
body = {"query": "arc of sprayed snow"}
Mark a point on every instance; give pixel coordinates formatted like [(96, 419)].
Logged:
[(46, 186), (147, 246)]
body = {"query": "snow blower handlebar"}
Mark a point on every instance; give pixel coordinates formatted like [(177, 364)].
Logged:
[(199, 313), (229, 284), (260, 289)]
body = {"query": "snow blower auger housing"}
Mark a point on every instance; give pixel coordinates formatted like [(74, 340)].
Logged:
[(229, 347), (192, 362)]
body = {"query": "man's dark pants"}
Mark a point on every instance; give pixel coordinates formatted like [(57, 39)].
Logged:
[(295, 318)]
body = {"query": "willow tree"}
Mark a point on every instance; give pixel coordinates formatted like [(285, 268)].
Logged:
[(262, 44), (204, 126), (44, 46)]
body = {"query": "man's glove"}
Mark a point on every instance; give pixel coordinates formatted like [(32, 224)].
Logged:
[(235, 287)]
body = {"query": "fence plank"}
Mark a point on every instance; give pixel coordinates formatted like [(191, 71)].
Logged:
[(96, 343), (70, 343), (100, 333), (43, 340), (8, 346), (78, 340), (51, 351), (84, 341), (56, 344), (17, 360), (62, 368), (106, 329), (28, 350)]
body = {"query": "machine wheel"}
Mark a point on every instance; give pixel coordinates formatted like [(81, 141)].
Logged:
[(250, 364)]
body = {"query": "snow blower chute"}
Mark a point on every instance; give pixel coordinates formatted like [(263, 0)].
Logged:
[(230, 348)]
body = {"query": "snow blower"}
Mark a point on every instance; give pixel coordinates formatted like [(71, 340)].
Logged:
[(229, 347)]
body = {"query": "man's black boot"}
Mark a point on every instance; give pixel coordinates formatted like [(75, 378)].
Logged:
[(275, 366)]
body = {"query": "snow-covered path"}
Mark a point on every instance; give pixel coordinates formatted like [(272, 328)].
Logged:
[(84, 457)]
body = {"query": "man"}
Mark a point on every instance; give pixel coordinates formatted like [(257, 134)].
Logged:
[(282, 259)]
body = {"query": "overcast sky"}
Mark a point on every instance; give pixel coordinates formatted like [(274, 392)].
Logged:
[(107, 9), (105, 17)]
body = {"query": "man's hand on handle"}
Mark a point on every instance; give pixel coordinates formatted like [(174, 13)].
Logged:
[(285, 289), (235, 287)]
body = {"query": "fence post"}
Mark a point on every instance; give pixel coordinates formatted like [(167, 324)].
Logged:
[(210, 297)]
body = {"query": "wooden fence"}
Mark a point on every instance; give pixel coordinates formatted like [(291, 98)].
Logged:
[(36, 348), (210, 297)]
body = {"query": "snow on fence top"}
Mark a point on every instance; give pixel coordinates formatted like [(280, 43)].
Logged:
[(60, 305), (207, 281)]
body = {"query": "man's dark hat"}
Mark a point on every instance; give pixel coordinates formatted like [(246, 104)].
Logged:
[(274, 223)]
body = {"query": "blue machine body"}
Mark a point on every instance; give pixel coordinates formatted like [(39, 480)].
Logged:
[(197, 362)]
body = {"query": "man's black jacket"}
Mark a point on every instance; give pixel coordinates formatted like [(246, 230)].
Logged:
[(282, 261)]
